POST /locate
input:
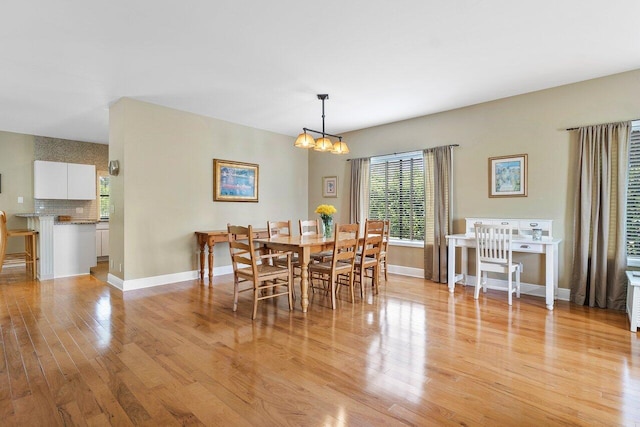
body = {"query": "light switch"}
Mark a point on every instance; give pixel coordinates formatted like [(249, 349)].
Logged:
[(79, 210), (20, 199)]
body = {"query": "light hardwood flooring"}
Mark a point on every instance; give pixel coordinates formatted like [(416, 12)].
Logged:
[(78, 352)]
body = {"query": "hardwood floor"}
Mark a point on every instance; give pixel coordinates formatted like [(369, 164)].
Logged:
[(78, 352)]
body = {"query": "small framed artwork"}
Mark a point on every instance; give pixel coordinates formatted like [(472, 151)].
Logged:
[(235, 181), (329, 186), (508, 176)]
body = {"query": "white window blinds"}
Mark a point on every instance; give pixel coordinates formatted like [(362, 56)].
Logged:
[(633, 194), (397, 194)]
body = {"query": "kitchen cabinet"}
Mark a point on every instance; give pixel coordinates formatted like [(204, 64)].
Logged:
[(64, 181), (102, 239), (73, 249), (49, 180)]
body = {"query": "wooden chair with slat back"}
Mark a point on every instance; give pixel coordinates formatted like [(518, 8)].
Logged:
[(311, 227), (369, 254), (494, 254), (278, 229), (29, 257), (342, 260), (251, 266), (385, 249)]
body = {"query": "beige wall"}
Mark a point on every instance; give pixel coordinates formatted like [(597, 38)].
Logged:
[(533, 123), (165, 189), (16, 168)]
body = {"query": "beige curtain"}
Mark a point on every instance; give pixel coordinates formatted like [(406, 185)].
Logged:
[(438, 164), (359, 191), (599, 254)]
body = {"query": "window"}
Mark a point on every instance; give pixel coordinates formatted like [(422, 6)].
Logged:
[(396, 193), (103, 191), (633, 197)]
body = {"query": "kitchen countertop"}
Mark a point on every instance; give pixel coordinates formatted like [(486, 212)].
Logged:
[(77, 221), (33, 215)]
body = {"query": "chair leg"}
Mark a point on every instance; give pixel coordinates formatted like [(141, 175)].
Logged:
[(290, 288), (476, 294), (255, 302), (518, 282), (485, 277), (333, 291), (235, 294), (510, 281), (385, 270), (362, 283)]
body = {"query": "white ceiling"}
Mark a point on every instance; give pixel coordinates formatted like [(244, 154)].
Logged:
[(261, 63)]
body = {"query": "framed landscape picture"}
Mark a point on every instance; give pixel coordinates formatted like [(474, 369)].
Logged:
[(330, 186), (235, 181), (508, 176)]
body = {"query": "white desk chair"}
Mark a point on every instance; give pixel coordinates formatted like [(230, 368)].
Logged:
[(493, 253)]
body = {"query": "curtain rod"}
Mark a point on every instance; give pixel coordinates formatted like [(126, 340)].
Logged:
[(600, 124), (403, 152)]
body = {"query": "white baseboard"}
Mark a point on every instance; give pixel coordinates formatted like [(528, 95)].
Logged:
[(148, 282), (406, 271)]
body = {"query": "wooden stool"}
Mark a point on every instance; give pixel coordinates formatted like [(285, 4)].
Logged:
[(30, 254)]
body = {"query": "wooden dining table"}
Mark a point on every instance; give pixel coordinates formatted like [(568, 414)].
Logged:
[(208, 239), (304, 246)]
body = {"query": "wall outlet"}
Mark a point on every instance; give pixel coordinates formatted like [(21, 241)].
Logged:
[(20, 199), (79, 210)]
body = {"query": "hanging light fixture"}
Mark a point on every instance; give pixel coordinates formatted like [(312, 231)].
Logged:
[(305, 140)]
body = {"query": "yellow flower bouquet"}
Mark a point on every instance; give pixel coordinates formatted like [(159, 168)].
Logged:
[(326, 214)]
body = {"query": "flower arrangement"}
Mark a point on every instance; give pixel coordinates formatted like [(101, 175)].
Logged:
[(326, 211), (326, 214)]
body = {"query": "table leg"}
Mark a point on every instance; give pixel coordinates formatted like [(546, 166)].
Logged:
[(201, 245), (550, 276), (210, 244), (304, 277), (451, 266)]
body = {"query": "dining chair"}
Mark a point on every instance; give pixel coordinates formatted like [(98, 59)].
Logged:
[(29, 257), (342, 260), (250, 265), (494, 254), (385, 249), (280, 229), (311, 227), (369, 254)]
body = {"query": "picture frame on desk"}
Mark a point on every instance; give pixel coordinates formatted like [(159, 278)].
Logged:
[(235, 181), (508, 176)]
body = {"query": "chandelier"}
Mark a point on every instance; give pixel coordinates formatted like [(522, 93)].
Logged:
[(305, 140)]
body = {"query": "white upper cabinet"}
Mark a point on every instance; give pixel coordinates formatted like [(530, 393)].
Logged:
[(49, 180), (56, 180), (81, 182)]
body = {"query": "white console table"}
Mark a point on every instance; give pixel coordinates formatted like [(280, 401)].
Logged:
[(633, 300), (522, 242)]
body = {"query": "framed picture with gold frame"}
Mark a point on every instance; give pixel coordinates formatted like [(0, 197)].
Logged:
[(235, 181), (508, 176)]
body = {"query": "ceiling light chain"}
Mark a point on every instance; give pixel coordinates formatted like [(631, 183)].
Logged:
[(305, 140)]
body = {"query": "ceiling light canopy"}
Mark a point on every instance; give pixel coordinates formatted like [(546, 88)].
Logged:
[(323, 143)]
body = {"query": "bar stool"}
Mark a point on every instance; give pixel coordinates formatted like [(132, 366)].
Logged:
[(30, 254)]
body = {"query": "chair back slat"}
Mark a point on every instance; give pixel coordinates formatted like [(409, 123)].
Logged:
[(493, 243), (309, 227), (373, 239), (279, 228)]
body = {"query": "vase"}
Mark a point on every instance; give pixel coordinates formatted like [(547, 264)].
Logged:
[(327, 223)]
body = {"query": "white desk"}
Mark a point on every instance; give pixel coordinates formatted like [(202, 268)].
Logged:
[(547, 246)]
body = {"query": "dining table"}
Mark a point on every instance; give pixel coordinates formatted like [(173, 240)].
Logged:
[(304, 246), (208, 239)]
